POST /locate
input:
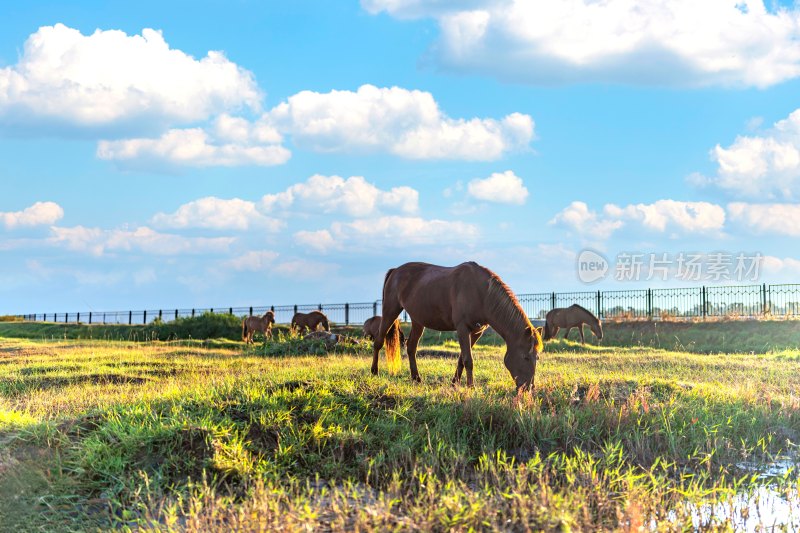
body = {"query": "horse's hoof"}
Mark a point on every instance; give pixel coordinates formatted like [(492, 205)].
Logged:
[(416, 379), (374, 371)]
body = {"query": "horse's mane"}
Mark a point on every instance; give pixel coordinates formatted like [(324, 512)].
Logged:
[(586, 311), (503, 302)]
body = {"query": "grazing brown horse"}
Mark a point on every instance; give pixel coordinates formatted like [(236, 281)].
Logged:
[(466, 298), (570, 317), (372, 325), (263, 324), (311, 320)]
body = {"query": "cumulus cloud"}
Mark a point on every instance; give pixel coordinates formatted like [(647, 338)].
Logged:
[(353, 196), (778, 219), (660, 216), (579, 218), (401, 231), (192, 147), (399, 121), (504, 188), (40, 213), (109, 78), (217, 213), (252, 261), (320, 240), (97, 241), (682, 42), (766, 166)]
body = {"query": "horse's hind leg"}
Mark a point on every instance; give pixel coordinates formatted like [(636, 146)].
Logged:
[(580, 329), (569, 330), (411, 348), (388, 316)]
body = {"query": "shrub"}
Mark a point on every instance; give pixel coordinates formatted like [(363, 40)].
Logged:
[(10, 318), (205, 326)]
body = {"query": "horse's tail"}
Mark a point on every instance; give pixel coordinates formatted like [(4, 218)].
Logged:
[(392, 346)]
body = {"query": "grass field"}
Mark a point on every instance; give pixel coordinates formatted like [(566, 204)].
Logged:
[(185, 435)]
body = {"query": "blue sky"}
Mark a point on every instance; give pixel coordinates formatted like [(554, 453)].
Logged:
[(243, 153)]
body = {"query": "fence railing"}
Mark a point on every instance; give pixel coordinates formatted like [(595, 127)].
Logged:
[(692, 302)]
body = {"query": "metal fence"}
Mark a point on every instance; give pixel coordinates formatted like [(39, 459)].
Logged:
[(748, 301)]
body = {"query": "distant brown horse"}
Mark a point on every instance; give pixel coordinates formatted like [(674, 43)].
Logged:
[(252, 324), (466, 298), (570, 317), (372, 325), (312, 320)]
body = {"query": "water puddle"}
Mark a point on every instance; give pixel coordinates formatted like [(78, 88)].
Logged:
[(764, 508)]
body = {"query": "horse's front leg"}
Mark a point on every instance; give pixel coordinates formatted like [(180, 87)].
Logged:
[(465, 342), (580, 329)]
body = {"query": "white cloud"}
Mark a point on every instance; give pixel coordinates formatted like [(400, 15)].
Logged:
[(667, 214), (220, 214), (682, 42), (320, 240), (395, 231), (111, 78), (253, 261), (766, 166), (505, 188), (776, 267), (399, 121), (40, 213), (660, 216), (195, 147), (303, 269), (353, 196), (579, 218), (778, 219), (97, 241)]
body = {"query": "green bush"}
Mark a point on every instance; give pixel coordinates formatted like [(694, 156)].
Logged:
[(205, 326), (10, 318)]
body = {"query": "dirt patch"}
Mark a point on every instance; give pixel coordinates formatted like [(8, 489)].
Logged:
[(445, 354), (384, 402), (261, 438), (80, 427), (178, 456)]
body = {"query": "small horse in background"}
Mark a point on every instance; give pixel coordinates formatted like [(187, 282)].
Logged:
[(252, 324), (467, 299), (373, 325), (570, 317), (311, 320)]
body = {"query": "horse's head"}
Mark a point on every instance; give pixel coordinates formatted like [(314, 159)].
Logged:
[(269, 316), (597, 329), (521, 357)]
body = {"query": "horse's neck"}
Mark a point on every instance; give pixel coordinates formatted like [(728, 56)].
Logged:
[(509, 325)]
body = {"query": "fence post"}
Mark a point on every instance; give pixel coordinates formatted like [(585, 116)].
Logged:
[(159, 315), (295, 308), (130, 317), (230, 310), (251, 311), (272, 308), (597, 304), (192, 313), (346, 314), (79, 318), (650, 304), (90, 317), (374, 308), (319, 307), (66, 318), (553, 301), (144, 317), (705, 302), (176, 314)]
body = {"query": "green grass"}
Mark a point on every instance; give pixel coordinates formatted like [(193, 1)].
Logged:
[(731, 336), (190, 435)]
